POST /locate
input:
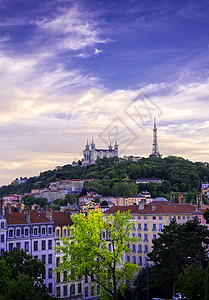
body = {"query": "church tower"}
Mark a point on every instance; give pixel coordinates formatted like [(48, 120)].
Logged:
[(87, 154), (116, 148)]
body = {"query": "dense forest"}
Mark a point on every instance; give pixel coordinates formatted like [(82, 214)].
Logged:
[(179, 175)]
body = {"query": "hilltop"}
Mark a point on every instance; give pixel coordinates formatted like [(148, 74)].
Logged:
[(118, 178)]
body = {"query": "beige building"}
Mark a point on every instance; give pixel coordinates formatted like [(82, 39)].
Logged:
[(148, 221), (126, 200)]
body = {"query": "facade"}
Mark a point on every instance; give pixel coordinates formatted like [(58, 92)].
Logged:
[(33, 231), (130, 200), (91, 154), (149, 221), (149, 180)]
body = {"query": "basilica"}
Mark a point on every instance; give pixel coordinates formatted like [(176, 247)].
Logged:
[(91, 154)]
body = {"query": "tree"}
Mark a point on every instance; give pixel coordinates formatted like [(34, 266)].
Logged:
[(191, 282), (95, 247), (5, 273), (207, 283), (22, 263), (206, 215), (177, 246)]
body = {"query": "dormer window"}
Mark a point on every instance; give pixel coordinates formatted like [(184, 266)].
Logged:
[(10, 233), (18, 232), (26, 232), (43, 231), (35, 231), (2, 225), (50, 230)]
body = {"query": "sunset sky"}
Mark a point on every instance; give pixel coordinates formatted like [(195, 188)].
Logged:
[(72, 70)]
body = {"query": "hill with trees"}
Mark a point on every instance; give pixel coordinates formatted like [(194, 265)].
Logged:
[(179, 175)]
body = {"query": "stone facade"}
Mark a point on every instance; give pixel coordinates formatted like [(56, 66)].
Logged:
[(91, 154)]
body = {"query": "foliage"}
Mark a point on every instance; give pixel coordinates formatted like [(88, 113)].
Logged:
[(206, 215), (191, 282), (22, 263), (89, 253), (179, 175), (177, 246), (30, 200), (5, 274), (20, 276), (207, 283)]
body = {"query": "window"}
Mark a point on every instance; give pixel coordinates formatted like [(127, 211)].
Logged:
[(35, 246), (133, 234), (160, 218), (50, 244), (170, 218), (139, 260), (35, 231), (154, 227), (134, 259), (139, 217), (2, 225), (139, 226), (128, 258), (36, 257), (145, 261), (154, 218), (65, 232), (145, 249), (2, 238), (58, 291), (10, 233), (145, 237), (86, 292), (50, 259), (187, 217), (18, 245), (65, 276), (133, 248), (10, 246), (179, 217), (50, 288), (57, 232), (43, 230), (139, 248), (57, 261), (43, 258), (58, 245), (50, 273), (18, 232), (58, 277), (72, 289), (50, 230), (160, 227), (43, 245), (154, 236), (145, 226), (133, 217), (26, 246), (110, 247), (79, 287), (139, 236), (1, 251), (65, 290), (26, 232), (92, 290), (86, 279), (184, 217), (145, 217)]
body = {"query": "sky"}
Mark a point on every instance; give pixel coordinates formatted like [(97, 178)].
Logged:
[(77, 70)]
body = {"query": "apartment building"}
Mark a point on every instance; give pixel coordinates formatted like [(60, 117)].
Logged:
[(149, 220)]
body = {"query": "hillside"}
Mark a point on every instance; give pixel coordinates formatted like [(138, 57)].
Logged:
[(178, 174)]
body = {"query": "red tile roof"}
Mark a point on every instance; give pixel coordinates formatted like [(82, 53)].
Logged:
[(18, 218), (154, 209), (61, 218)]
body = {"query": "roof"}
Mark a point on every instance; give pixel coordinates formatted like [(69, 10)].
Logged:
[(154, 209), (18, 218), (61, 218)]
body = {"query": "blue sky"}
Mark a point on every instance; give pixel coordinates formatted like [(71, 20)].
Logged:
[(72, 70)]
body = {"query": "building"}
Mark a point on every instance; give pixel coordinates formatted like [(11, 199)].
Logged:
[(149, 180), (32, 231), (129, 200), (91, 153), (149, 220)]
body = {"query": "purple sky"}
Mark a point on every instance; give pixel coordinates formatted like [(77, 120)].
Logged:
[(72, 70)]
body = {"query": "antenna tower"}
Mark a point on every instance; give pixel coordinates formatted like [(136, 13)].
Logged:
[(155, 148)]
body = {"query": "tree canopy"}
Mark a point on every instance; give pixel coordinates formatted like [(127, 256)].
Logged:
[(96, 248), (177, 246)]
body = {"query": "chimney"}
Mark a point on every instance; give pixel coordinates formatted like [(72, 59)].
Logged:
[(142, 203), (19, 208), (2, 207), (199, 201), (27, 214), (49, 214), (154, 207)]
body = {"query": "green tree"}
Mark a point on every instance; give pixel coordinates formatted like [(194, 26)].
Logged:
[(98, 250), (191, 282), (207, 283), (176, 247), (22, 263), (206, 215), (5, 274)]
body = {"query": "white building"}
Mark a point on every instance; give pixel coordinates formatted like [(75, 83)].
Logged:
[(91, 154)]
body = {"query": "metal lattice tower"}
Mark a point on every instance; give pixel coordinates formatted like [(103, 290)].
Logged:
[(155, 148)]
